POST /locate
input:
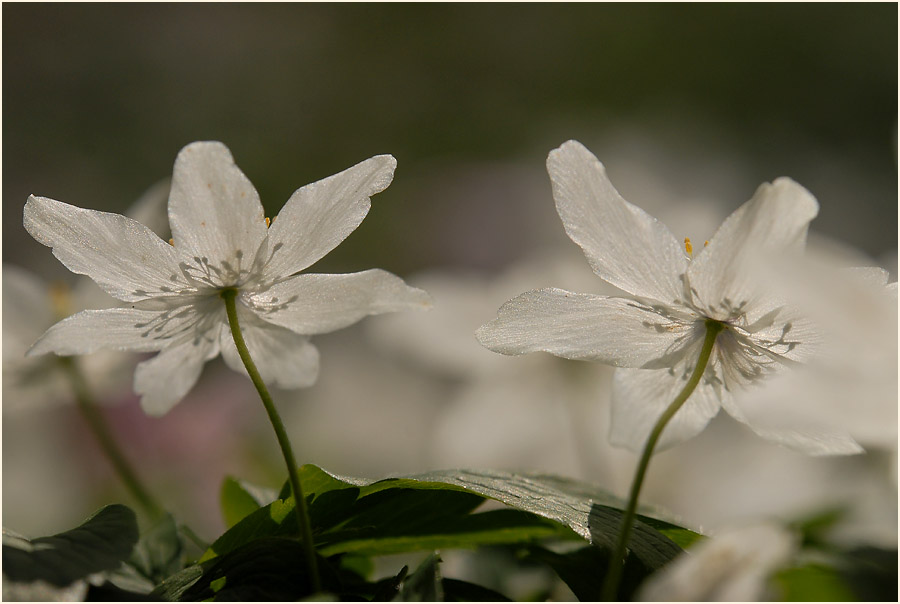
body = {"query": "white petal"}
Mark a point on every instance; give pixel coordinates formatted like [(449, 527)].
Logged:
[(120, 328), (872, 276), (625, 246), (775, 419), (320, 215), (741, 361), (791, 336), (640, 396), (617, 331), (283, 358), (121, 255), (164, 380), (811, 441), (733, 567), (312, 303), (218, 223), (773, 222)]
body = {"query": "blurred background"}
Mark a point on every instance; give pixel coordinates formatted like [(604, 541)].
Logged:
[(689, 107)]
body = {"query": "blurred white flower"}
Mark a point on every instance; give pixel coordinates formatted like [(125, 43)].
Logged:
[(30, 307), (221, 241), (538, 413), (734, 566), (654, 336)]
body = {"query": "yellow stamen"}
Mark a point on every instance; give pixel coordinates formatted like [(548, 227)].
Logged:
[(705, 243), (172, 242), (268, 222), (688, 247), (61, 299)]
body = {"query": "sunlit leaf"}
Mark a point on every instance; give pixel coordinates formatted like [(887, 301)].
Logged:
[(240, 499), (434, 511), (464, 532)]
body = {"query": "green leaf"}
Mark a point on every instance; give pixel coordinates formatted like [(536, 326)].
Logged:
[(387, 589), (387, 517), (363, 566), (446, 532), (434, 511), (814, 529), (582, 570), (275, 519), (332, 507), (268, 569), (172, 589), (682, 537), (859, 574), (316, 481), (240, 499), (101, 543), (128, 579), (563, 500), (576, 504), (870, 572), (812, 583), (160, 551), (649, 545), (423, 585)]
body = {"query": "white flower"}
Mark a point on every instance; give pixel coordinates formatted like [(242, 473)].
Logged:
[(735, 566), (654, 335), (221, 240), (549, 408)]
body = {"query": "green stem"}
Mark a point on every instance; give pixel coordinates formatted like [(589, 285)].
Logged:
[(617, 561), (229, 296), (104, 436)]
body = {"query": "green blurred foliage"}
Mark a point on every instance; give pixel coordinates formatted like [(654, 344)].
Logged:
[(98, 98)]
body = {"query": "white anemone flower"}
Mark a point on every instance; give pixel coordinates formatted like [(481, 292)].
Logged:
[(654, 335), (221, 241), (736, 566)]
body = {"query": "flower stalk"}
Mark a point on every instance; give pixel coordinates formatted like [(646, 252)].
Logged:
[(104, 437), (617, 561), (300, 509)]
